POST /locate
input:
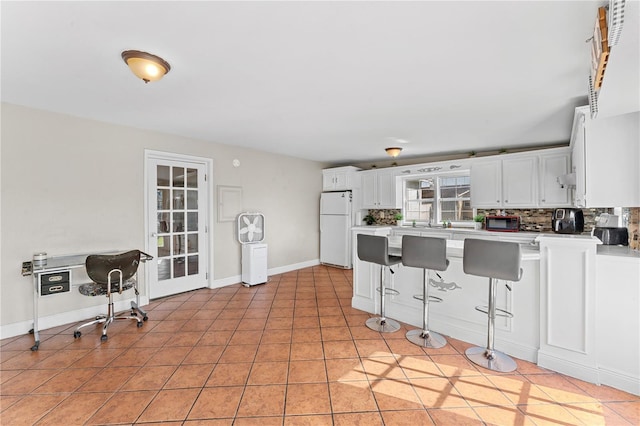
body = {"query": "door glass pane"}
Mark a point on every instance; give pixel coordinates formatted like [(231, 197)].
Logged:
[(178, 222), (163, 223), (164, 269), (164, 246), (164, 199), (193, 265), (163, 175), (178, 244), (192, 178), (177, 230), (178, 199), (178, 267), (192, 243), (192, 221), (192, 200), (178, 177)]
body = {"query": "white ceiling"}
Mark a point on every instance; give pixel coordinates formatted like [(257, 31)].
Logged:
[(326, 81)]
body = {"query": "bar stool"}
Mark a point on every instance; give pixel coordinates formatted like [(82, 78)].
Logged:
[(426, 253), (496, 260), (375, 249)]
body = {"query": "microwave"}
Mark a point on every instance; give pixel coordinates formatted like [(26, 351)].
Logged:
[(502, 223)]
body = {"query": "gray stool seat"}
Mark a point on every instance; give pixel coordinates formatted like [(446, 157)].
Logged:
[(375, 249), (496, 260), (426, 253)]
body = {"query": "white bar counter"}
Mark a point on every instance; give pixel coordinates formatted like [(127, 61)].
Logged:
[(575, 308), (456, 316)]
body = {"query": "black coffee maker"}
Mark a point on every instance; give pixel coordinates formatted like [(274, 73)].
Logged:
[(567, 221)]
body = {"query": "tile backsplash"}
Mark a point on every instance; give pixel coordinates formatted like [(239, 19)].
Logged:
[(536, 220), (539, 220)]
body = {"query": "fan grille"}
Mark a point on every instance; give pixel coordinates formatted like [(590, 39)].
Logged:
[(250, 228)]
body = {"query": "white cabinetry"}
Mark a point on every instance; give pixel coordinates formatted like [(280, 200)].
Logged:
[(556, 162), (486, 184), (339, 178), (379, 189), (617, 301), (366, 275), (605, 154), (509, 182), (568, 305)]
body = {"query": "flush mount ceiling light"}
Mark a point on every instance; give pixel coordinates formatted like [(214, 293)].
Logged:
[(393, 151), (146, 66)]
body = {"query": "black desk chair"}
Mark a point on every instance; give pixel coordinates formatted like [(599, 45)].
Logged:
[(113, 274)]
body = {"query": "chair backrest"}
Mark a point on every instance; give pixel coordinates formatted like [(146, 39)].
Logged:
[(424, 252), (493, 259), (375, 249), (98, 266)]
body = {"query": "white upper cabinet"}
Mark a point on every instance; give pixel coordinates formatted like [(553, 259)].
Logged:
[(486, 184), (379, 189), (520, 182), (553, 164), (505, 182), (606, 154), (339, 178)]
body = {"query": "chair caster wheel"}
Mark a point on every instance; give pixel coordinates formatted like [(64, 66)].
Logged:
[(139, 324), (104, 337), (76, 334)]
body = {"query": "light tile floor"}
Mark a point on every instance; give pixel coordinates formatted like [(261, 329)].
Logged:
[(290, 352)]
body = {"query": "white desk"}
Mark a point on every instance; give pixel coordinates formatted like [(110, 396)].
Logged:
[(61, 266)]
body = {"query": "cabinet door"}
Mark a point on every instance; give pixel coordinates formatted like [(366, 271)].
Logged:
[(551, 194), (328, 181), (386, 190), (578, 160), (342, 181), (369, 190), (520, 182), (486, 184)]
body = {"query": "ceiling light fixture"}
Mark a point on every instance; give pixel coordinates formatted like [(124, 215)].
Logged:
[(146, 66), (393, 151)]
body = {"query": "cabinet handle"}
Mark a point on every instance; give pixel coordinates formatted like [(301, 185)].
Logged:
[(544, 201), (497, 201), (506, 201)]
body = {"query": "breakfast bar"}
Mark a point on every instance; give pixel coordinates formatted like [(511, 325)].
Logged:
[(559, 319), (456, 315)]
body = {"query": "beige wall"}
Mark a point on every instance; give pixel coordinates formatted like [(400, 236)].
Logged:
[(71, 185)]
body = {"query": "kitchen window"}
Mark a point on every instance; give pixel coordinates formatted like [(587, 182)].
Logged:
[(434, 199)]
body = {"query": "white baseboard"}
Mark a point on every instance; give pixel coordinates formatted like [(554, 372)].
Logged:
[(223, 282), (70, 317), (293, 267), (570, 368), (236, 279), (620, 381)]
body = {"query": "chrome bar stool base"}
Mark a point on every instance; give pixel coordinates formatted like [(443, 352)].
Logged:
[(496, 361), (431, 339), (383, 325)]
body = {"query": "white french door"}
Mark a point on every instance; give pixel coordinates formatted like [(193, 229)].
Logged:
[(177, 221)]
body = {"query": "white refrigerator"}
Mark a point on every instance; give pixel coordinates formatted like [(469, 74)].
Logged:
[(335, 228)]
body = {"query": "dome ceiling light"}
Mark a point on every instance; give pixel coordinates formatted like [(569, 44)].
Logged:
[(146, 66), (393, 151)]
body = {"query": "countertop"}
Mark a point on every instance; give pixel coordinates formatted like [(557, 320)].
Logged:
[(604, 250), (621, 251), (455, 248)]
